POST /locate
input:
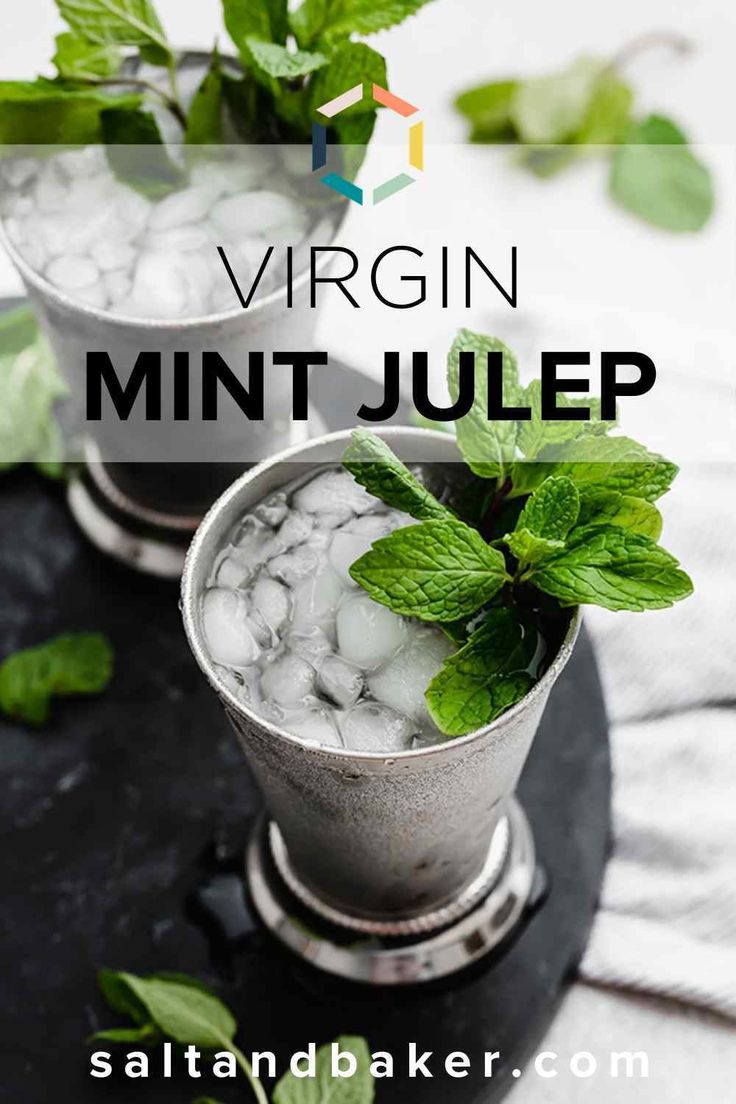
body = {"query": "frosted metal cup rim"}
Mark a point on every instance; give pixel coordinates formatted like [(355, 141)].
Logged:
[(202, 548), (168, 325)]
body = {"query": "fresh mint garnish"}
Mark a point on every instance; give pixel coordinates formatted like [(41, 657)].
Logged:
[(76, 663), (485, 677), (293, 62), (558, 118), (547, 520), (373, 464), (180, 1008), (612, 567), (436, 571)]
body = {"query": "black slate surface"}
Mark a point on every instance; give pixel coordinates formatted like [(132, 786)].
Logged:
[(118, 809)]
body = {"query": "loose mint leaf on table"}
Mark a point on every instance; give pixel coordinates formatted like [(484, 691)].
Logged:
[(656, 176), (45, 112), (485, 677), (614, 568), (77, 58), (76, 663), (326, 1089), (614, 508), (30, 385), (488, 446), (377, 468), (439, 570), (183, 1012), (118, 22), (609, 111), (146, 1034), (488, 110)]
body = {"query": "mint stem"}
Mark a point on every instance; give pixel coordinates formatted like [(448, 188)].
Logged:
[(171, 101), (486, 526), (679, 44), (258, 1089)]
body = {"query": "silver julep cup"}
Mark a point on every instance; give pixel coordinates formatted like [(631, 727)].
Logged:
[(383, 838)]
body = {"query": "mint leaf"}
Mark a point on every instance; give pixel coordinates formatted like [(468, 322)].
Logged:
[(205, 116), (609, 111), (664, 184), (30, 385), (352, 63), (78, 59), (76, 663), (485, 677), (613, 464), (537, 433), (184, 1013), (377, 468), (614, 568), (488, 110), (263, 22), (117, 22), (326, 1089), (276, 61), (337, 19), (528, 548), (437, 571), (488, 447), (46, 113), (552, 510), (626, 511), (551, 110), (137, 154)]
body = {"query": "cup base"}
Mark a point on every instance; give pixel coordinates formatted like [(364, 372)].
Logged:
[(151, 540), (403, 952)]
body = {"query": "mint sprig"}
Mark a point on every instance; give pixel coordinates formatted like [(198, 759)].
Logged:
[(178, 1007), (558, 118), (571, 521), (292, 62)]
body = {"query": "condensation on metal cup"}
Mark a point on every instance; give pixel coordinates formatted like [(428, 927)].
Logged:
[(427, 852)]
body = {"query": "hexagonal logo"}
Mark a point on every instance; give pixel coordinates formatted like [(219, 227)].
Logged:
[(415, 150)]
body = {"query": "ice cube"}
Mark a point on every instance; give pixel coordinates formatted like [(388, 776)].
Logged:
[(20, 170), (352, 540), (179, 209), (117, 285), (294, 530), (72, 273), (272, 510), (340, 681), (293, 566), (254, 213), (239, 563), (333, 491), (179, 239), (93, 296), (288, 680), (50, 194), (402, 681), (371, 727), (80, 163), (110, 255), (312, 646), (272, 601), (160, 287), (133, 212), (316, 600), (315, 726), (367, 633), (226, 627)]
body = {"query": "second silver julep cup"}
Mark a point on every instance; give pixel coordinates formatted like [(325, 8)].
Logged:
[(374, 836)]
